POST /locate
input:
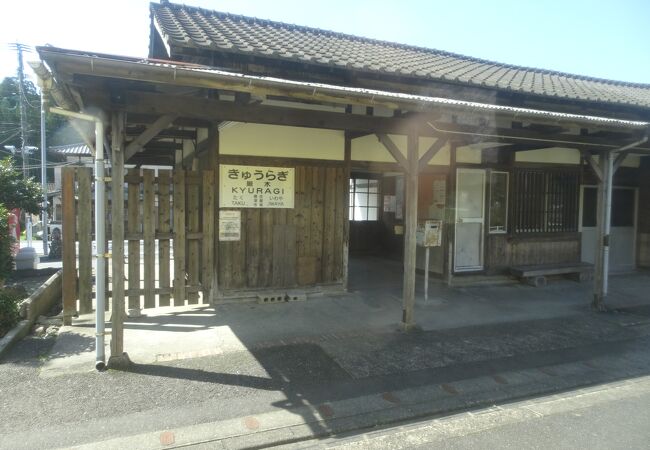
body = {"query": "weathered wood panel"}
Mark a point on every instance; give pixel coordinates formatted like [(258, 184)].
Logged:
[(69, 250), (179, 237), (283, 248), (133, 226), (164, 226), (316, 231), (207, 248), (544, 250), (340, 207), (85, 236), (265, 276), (193, 267), (329, 221), (149, 224), (253, 245)]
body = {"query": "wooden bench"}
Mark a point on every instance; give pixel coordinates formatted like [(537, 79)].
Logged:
[(535, 275)]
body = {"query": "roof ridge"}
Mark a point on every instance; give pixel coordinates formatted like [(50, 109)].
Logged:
[(275, 23)]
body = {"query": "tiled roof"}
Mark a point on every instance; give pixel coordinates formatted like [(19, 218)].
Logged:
[(71, 150), (187, 26)]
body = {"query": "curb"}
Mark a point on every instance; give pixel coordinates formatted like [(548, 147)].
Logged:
[(38, 302), (17, 333)]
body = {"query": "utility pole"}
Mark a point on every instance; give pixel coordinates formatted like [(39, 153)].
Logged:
[(21, 96), (44, 171)]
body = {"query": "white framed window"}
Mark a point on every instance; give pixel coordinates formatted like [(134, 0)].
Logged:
[(498, 207), (364, 199)]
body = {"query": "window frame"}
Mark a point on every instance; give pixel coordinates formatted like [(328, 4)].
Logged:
[(352, 192), (536, 195), (506, 211)]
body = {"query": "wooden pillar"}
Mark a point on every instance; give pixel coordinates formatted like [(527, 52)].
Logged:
[(118, 357), (69, 247), (410, 224), (450, 214), (213, 158), (604, 214), (347, 158)]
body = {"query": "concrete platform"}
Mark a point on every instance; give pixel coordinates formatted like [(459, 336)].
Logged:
[(372, 305)]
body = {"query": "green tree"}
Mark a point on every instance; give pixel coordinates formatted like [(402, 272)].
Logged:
[(16, 191)]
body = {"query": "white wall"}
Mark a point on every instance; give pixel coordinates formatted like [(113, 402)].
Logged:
[(281, 141)]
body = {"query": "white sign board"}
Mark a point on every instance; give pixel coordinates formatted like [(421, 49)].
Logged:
[(399, 197), (229, 225), (390, 203), (256, 187)]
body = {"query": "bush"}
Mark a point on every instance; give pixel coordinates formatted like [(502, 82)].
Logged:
[(9, 310), (6, 260)]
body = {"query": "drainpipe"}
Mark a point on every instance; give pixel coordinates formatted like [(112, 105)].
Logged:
[(607, 165), (100, 232)]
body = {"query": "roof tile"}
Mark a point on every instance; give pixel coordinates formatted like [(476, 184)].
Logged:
[(188, 26)]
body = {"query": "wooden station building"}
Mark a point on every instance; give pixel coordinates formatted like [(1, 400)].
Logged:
[(262, 156)]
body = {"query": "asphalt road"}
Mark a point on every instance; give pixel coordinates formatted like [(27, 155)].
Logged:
[(298, 390), (609, 416)]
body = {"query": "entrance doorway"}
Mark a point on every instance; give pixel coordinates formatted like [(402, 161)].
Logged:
[(470, 219), (622, 247)]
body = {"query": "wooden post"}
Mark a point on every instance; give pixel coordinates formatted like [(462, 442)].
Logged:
[(450, 214), (117, 235), (85, 233), (426, 273), (604, 214), (68, 251), (410, 224), (347, 157), (213, 134)]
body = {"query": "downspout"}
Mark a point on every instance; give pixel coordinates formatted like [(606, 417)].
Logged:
[(100, 232)]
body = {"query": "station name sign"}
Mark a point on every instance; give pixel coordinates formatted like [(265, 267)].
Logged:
[(256, 186)]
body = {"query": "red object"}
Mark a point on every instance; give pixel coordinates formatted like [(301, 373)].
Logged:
[(14, 229)]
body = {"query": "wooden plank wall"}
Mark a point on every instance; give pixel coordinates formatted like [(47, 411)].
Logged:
[(285, 248), (504, 251), (184, 198)]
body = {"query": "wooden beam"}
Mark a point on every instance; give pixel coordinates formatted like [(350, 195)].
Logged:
[(593, 164), (172, 133), (523, 147), (394, 151), (189, 107), (620, 158), (152, 130), (216, 111), (431, 152), (519, 135)]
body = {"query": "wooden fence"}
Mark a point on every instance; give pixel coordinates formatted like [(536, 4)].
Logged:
[(169, 230)]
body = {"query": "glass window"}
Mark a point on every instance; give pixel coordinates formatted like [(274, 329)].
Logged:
[(498, 202), (364, 199)]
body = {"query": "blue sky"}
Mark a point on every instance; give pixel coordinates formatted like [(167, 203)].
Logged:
[(598, 38)]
